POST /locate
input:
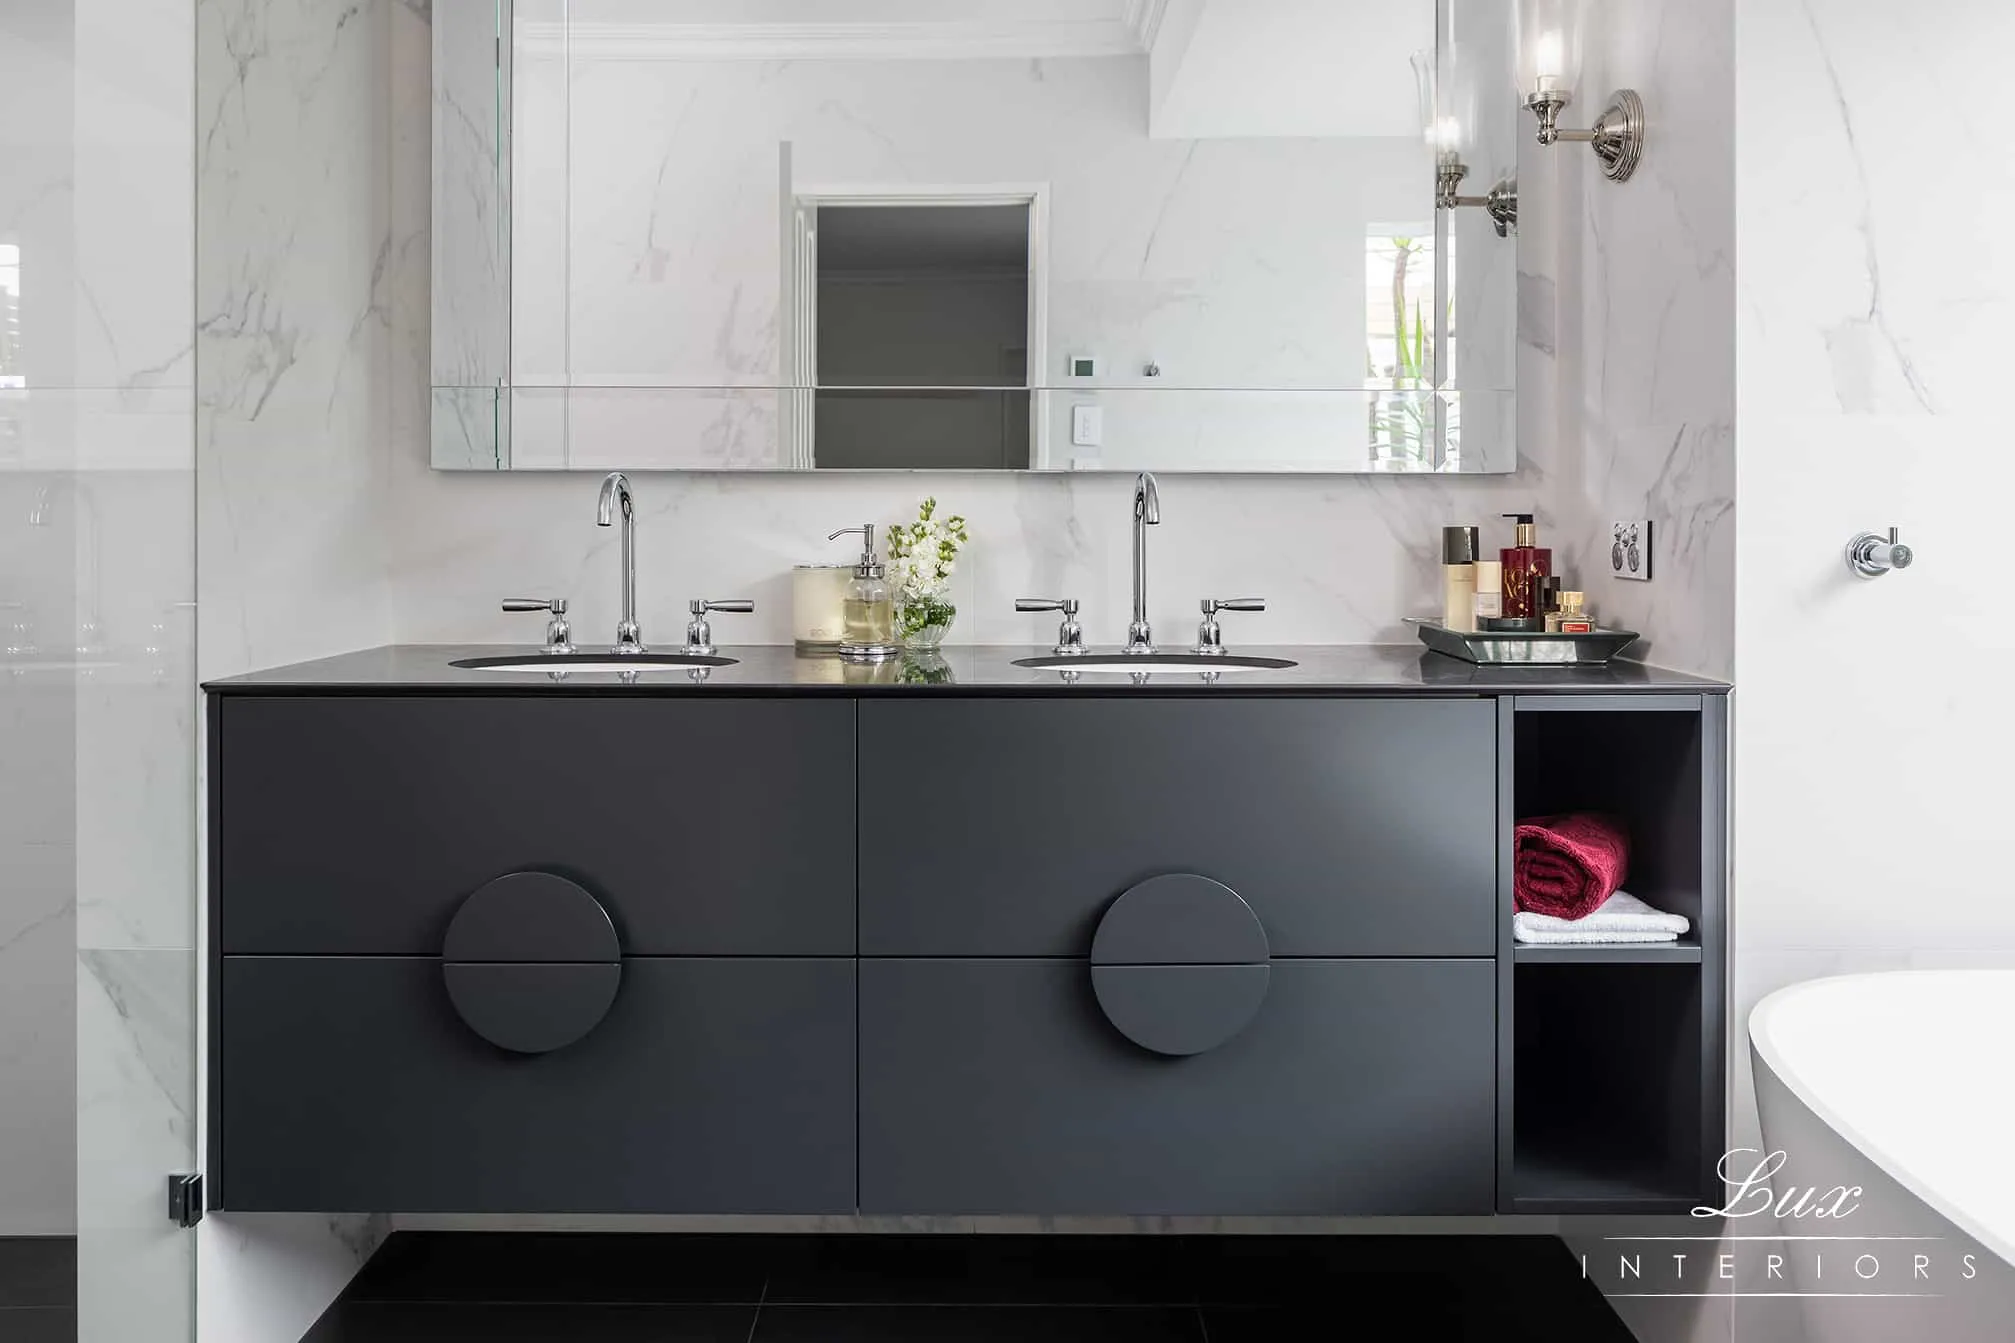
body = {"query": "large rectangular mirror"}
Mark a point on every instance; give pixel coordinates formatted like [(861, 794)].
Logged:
[(1194, 235)]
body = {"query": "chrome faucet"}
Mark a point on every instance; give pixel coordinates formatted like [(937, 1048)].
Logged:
[(616, 492), (1146, 514)]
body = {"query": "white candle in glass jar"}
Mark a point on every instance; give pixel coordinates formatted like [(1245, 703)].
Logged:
[(818, 603)]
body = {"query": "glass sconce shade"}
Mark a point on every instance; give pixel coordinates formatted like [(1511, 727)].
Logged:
[(1549, 47), (1447, 115)]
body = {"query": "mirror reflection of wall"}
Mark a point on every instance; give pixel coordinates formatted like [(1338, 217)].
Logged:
[(1202, 181), (922, 312)]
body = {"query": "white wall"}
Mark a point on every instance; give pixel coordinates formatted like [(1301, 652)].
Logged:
[(1877, 288)]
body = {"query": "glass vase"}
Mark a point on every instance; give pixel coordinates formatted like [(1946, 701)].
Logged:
[(925, 624)]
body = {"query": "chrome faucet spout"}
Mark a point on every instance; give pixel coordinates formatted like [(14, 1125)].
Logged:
[(1146, 514), (616, 496)]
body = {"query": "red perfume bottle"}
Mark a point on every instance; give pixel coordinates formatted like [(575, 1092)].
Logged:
[(1524, 565)]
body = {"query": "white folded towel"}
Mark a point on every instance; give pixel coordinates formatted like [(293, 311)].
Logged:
[(1620, 918)]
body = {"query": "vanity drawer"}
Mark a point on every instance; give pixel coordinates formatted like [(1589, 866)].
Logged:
[(1005, 827), (358, 825), (1359, 1087), (712, 1085)]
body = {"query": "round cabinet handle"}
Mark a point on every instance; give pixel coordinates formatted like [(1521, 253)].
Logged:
[(1180, 964), (531, 962)]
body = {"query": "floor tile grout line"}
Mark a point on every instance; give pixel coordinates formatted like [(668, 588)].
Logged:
[(756, 1320)]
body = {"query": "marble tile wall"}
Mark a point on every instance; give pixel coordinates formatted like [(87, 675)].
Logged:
[(294, 259), (1876, 288)]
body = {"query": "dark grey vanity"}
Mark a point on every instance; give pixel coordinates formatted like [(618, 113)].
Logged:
[(768, 939)]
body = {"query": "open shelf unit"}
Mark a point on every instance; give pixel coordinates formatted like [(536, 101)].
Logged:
[(1614, 1053)]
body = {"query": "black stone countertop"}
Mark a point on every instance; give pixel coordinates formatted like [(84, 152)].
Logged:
[(1363, 669)]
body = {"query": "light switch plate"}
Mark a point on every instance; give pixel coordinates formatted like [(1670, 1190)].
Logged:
[(1087, 426), (1630, 550)]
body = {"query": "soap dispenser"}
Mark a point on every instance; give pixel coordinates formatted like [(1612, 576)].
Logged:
[(868, 625)]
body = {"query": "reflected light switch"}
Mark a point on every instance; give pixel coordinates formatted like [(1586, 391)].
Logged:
[(1087, 426)]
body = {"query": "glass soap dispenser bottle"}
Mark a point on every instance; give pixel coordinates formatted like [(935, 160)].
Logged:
[(868, 624)]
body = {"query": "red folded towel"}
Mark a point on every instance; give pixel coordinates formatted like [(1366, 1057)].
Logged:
[(1567, 866)]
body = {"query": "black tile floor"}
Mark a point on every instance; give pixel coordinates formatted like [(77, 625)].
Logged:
[(38, 1289), (538, 1288)]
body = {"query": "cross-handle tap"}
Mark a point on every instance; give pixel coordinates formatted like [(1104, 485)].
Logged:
[(1146, 514), (616, 494)]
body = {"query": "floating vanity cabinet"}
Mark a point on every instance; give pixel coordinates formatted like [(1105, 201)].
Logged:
[(761, 942), (485, 953)]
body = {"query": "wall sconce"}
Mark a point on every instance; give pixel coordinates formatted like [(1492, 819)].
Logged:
[(1549, 60), (1447, 127)]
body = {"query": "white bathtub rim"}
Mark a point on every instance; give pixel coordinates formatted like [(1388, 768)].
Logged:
[(1997, 1237)]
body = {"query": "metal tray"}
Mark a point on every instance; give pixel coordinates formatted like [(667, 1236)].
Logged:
[(1496, 649)]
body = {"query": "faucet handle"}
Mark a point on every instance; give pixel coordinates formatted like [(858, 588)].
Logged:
[(559, 635), (699, 633), (1209, 634), (1070, 634)]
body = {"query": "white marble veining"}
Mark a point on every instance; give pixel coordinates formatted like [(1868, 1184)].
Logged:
[(1642, 333), (294, 302), (136, 1122), (292, 306)]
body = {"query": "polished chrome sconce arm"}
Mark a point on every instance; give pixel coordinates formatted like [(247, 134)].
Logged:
[(1617, 135), (1501, 202)]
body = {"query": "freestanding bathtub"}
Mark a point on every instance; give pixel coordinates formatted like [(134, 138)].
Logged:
[(1898, 1089)]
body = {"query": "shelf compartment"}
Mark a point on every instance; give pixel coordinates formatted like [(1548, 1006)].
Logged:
[(1607, 1108)]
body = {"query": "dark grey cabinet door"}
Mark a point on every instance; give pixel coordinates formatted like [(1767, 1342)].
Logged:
[(1361, 1087), (357, 825), (712, 1085), (1005, 827)]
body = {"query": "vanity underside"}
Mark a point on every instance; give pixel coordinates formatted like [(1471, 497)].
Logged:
[(950, 954)]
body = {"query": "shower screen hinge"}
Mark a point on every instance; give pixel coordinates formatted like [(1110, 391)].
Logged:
[(185, 1199)]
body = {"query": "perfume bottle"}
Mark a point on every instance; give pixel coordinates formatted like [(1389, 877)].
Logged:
[(868, 613), (1524, 565)]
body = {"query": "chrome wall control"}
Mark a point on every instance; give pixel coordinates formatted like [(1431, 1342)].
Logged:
[(1070, 634), (1871, 555), (700, 634), (615, 496), (559, 636), (1146, 514), (1210, 634)]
